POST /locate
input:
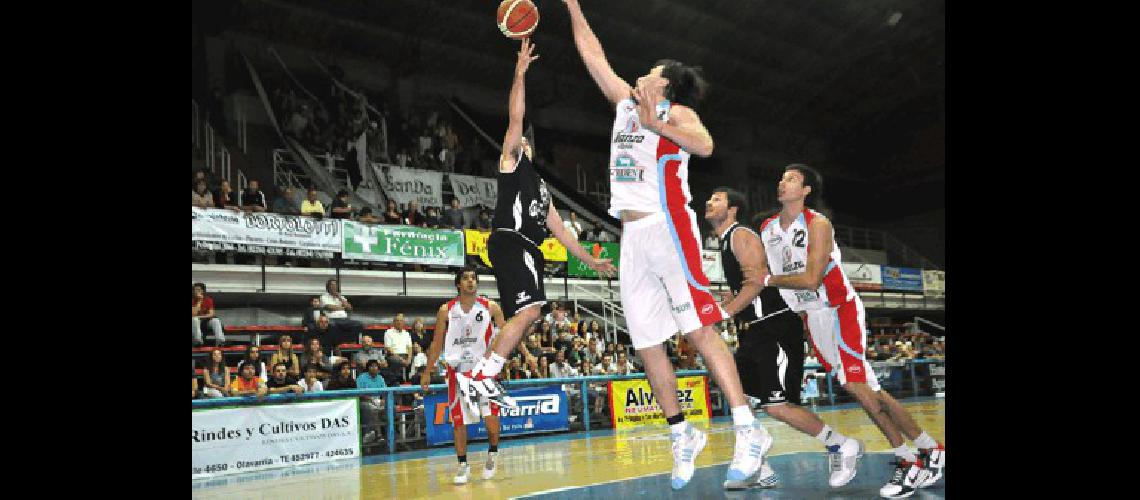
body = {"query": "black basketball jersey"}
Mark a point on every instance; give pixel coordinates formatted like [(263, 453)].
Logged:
[(767, 302), (523, 202)]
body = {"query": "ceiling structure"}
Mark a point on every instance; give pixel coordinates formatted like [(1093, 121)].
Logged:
[(855, 88)]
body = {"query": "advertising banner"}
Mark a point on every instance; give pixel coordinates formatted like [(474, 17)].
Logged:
[(407, 244), (867, 277), (902, 278), (250, 438), (476, 243), (633, 404), (710, 264), (253, 231), (406, 185), (578, 268), (472, 190), (933, 283), (540, 409)]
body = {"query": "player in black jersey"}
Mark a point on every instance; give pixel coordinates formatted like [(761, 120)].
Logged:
[(771, 353), (524, 216)]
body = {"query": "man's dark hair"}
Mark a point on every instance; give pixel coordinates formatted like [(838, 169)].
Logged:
[(686, 85), (329, 282), (735, 199), (464, 270), (811, 178), (342, 192), (368, 366), (318, 297), (281, 364), (312, 366), (202, 285), (366, 211)]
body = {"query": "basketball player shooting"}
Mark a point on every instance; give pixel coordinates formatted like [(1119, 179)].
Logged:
[(663, 288), (799, 245), (463, 332), (524, 216)]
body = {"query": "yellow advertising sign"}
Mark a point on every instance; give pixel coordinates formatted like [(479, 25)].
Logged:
[(632, 402), (476, 243)]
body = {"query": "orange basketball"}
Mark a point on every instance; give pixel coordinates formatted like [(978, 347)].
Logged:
[(517, 18)]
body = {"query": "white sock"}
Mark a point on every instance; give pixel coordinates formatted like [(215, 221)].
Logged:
[(679, 427), (904, 453), (492, 364), (742, 415), (830, 437), (925, 441)]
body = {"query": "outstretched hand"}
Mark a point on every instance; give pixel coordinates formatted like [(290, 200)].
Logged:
[(603, 267), (525, 58), (649, 92)]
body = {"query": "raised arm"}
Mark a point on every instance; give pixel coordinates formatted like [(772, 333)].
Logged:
[(590, 49), (819, 251), (554, 223), (516, 108)]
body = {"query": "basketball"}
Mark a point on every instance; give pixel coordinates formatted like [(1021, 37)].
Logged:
[(517, 18)]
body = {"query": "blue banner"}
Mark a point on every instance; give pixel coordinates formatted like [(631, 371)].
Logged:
[(541, 409), (902, 278)]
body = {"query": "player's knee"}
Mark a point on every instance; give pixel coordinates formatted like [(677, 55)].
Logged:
[(529, 315), (778, 411)]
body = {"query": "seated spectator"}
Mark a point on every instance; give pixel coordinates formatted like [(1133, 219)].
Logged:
[(484, 222), (225, 198), (564, 341), (432, 219), (419, 362), (606, 367), (413, 216), (587, 368), (342, 377), (252, 199), (420, 335), (453, 217), (336, 307), (371, 379), (248, 383), (392, 214), (398, 343), (201, 197), (200, 175), (594, 332), (202, 313), (341, 209), (286, 356), (217, 376), (311, 206), (253, 357), (310, 316), (366, 216), (573, 226), (314, 355), (311, 383), (624, 366), (562, 368), (371, 406), (284, 203), (282, 382), (578, 352), (366, 353), (543, 368)]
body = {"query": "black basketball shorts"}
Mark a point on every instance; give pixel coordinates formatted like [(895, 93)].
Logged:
[(518, 265), (770, 359)]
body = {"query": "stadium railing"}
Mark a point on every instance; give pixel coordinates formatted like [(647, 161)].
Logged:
[(389, 393)]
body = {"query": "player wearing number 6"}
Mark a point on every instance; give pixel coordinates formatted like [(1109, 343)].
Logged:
[(464, 328)]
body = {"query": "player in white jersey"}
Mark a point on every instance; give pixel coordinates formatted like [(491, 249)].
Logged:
[(464, 328), (804, 260), (663, 288)]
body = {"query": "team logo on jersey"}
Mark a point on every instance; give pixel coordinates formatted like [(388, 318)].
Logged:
[(631, 125), (538, 208), (682, 308), (625, 169), (777, 396), (707, 309), (629, 134), (854, 369), (789, 265), (775, 239), (523, 297)]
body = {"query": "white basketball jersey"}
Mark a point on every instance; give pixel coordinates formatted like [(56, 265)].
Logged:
[(787, 252), (468, 333), (648, 173)]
